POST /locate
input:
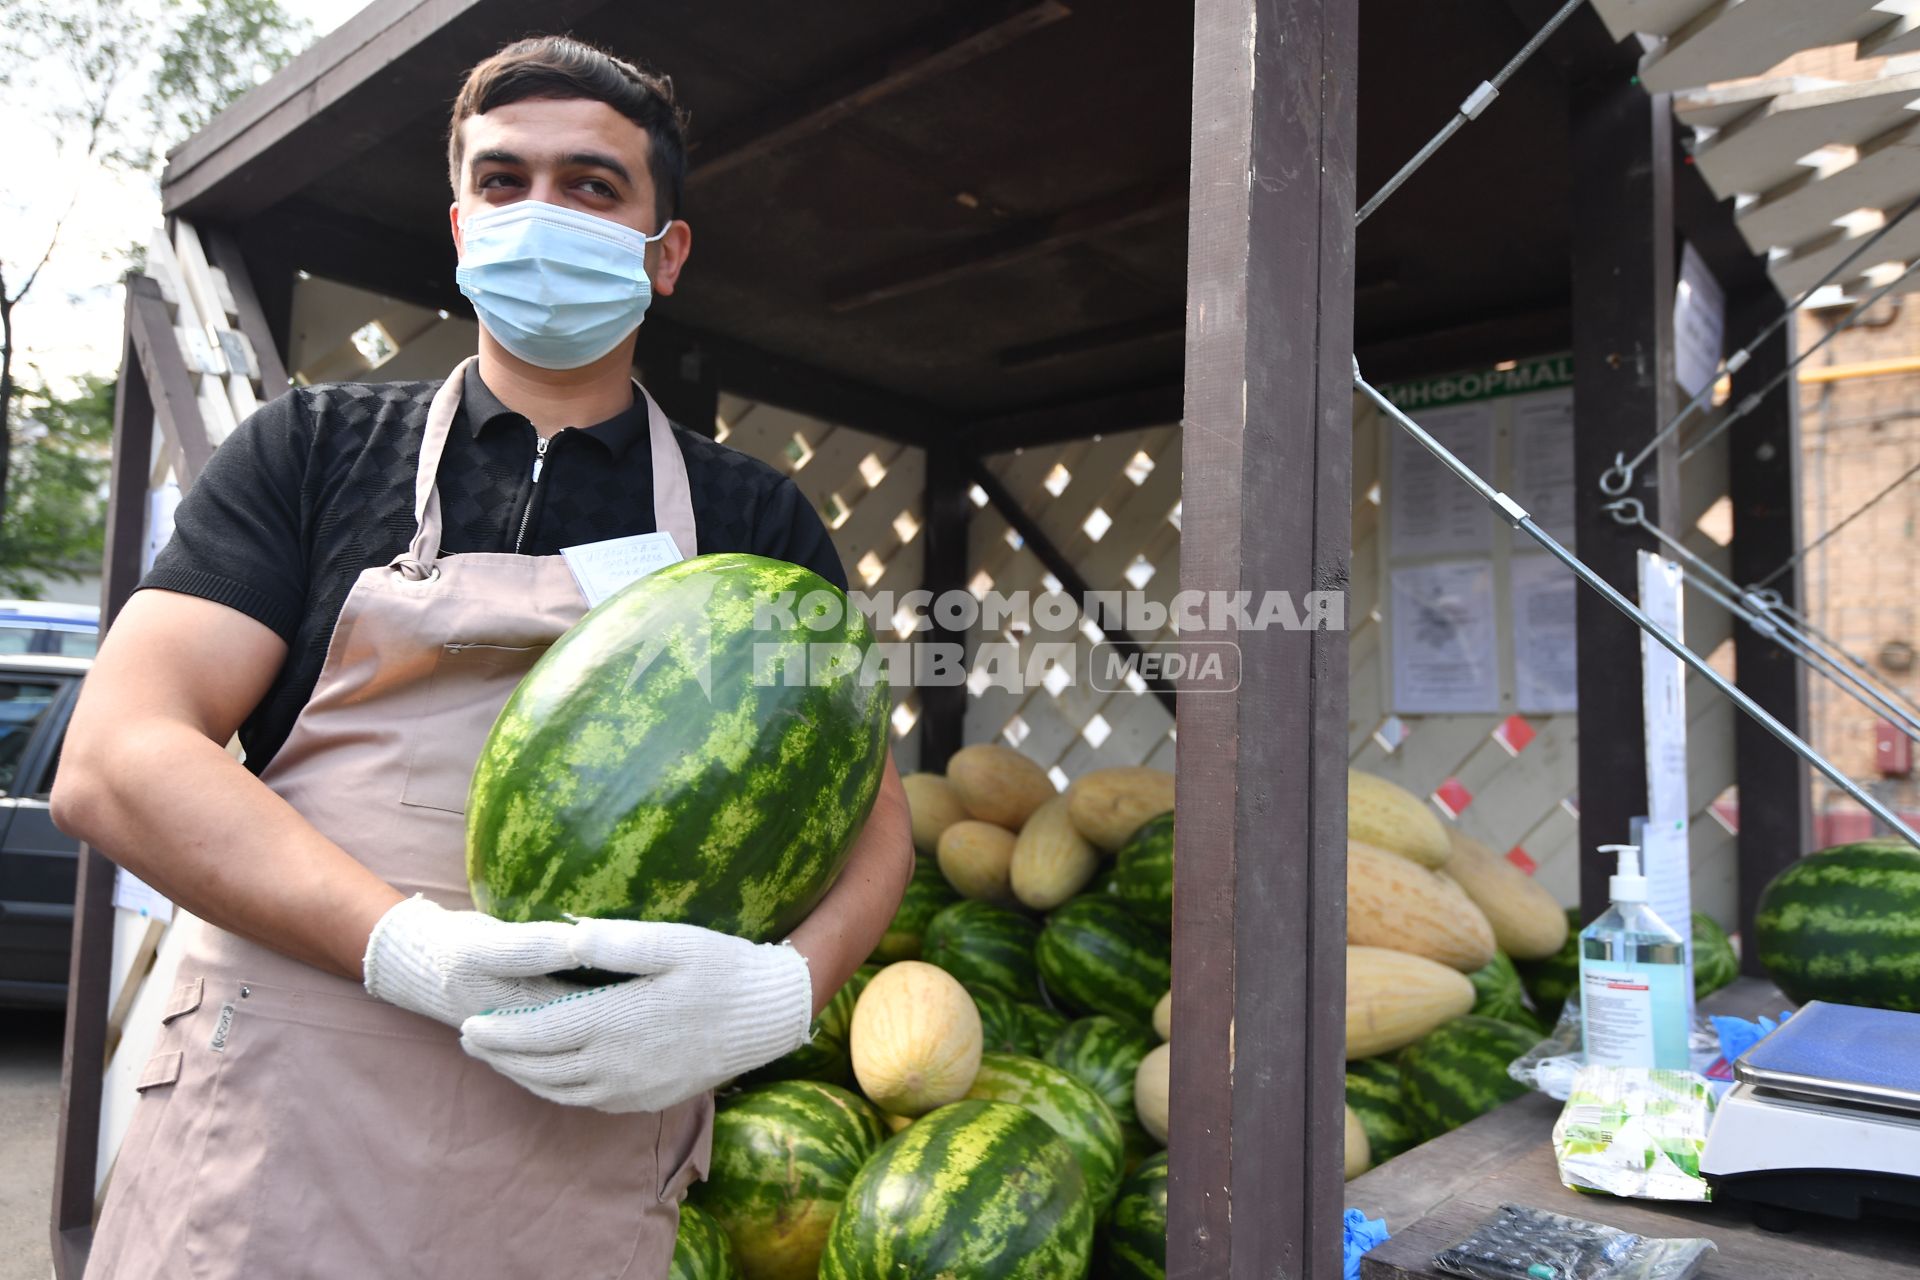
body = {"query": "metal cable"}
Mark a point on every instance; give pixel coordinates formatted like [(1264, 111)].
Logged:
[(1517, 516), (1866, 506), (1618, 478), (1475, 103), (1769, 601), (1752, 402), (1758, 614)]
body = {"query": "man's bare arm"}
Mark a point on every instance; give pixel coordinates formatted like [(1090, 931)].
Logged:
[(146, 778), (843, 930)]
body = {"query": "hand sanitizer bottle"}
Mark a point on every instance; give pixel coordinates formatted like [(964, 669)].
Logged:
[(1633, 978)]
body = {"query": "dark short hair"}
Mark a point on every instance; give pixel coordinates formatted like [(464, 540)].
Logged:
[(562, 67)]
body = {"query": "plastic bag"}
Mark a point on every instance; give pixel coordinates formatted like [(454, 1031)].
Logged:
[(1552, 1063), (1518, 1243), (1631, 1131)]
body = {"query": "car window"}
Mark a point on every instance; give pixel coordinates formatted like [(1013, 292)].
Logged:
[(17, 639), (23, 704), (76, 644)]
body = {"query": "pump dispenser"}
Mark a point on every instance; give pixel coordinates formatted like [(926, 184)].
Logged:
[(1633, 978)]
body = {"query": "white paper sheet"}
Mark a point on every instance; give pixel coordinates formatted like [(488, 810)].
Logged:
[(1544, 666), (161, 504), (1543, 460), (602, 568), (131, 893), (1445, 654), (1433, 511), (1699, 323), (1664, 700)]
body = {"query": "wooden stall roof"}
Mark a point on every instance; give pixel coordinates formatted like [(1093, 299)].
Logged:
[(924, 217)]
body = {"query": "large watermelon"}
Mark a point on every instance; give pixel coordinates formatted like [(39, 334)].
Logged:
[(1497, 993), (783, 1157), (1374, 1093), (986, 947), (1714, 964), (1006, 1024), (927, 894), (971, 1191), (1135, 1243), (702, 1251), (656, 764), (1075, 1112), (1104, 1054), (1459, 1071), (1099, 957), (1044, 1024), (1552, 980), (1844, 925), (1143, 872)]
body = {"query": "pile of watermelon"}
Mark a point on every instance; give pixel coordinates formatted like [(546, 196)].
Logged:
[(967, 1106)]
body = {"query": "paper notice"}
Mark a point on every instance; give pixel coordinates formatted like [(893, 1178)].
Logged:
[(1445, 654), (1543, 460), (1699, 323), (602, 568), (1544, 668), (1663, 700), (130, 893), (1433, 511)]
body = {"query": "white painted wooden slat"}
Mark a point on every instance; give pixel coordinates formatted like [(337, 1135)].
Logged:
[(1509, 805), (1901, 35), (138, 1036), (1713, 854), (1884, 176), (1722, 105), (1762, 151), (1737, 38), (1804, 267), (1648, 17)]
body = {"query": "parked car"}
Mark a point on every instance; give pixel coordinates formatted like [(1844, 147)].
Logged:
[(36, 626), (38, 862)]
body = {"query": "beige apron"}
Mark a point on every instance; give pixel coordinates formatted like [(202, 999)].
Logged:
[(289, 1124)]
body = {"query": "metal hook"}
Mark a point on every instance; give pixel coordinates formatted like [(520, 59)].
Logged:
[(1616, 479), (1620, 508)]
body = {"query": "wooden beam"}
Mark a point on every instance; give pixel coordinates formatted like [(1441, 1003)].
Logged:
[(1057, 563), (1153, 405), (1475, 344), (1624, 252), (1168, 326), (1033, 238), (1763, 466), (946, 512), (936, 49), (168, 384), (1259, 930), (90, 966), (223, 251)]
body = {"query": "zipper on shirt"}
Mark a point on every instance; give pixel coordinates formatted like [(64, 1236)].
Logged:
[(539, 464)]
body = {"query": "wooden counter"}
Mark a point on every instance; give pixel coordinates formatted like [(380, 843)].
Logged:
[(1437, 1193)]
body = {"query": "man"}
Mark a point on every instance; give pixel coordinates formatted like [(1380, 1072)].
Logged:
[(355, 584)]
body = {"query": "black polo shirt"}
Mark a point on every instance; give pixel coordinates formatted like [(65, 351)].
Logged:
[(317, 486)]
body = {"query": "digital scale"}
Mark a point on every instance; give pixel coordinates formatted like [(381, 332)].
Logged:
[(1824, 1118)]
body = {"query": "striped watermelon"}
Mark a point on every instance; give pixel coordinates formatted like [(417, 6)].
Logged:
[(826, 1057), (1098, 957), (1044, 1024), (1374, 1093), (972, 1191), (1135, 1242), (1104, 1054), (1005, 1026), (1143, 872), (1714, 964), (701, 1250), (1498, 994), (927, 894), (1459, 1071), (1844, 925), (1552, 980), (655, 765), (1075, 1112), (985, 946), (783, 1157)]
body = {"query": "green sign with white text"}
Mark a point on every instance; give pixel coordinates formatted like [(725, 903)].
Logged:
[(1542, 374)]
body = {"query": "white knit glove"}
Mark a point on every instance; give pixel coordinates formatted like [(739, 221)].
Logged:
[(706, 1007), (450, 965)]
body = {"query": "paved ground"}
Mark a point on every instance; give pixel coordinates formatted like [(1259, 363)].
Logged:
[(29, 1104)]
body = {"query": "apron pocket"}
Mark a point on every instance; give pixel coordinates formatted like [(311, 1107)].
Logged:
[(470, 683), (685, 1147)]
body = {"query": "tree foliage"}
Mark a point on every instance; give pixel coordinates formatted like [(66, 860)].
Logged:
[(53, 525)]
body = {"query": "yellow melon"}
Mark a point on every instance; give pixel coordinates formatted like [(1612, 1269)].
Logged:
[(1163, 1017), (1527, 921), (1394, 998), (1150, 1091), (1052, 861), (1359, 1152), (915, 1039), (934, 806), (977, 860), (1109, 805), (1392, 902), (1390, 817), (998, 784)]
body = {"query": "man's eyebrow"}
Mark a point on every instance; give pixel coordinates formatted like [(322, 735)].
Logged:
[(590, 159)]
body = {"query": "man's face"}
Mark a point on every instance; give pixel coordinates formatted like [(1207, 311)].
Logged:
[(572, 152)]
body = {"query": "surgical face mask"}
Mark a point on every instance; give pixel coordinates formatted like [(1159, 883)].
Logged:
[(556, 287)]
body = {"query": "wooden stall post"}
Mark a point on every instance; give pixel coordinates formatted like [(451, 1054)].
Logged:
[(1776, 820), (1623, 392), (947, 510), (1259, 934)]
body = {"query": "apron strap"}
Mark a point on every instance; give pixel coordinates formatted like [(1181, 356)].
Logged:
[(672, 494)]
